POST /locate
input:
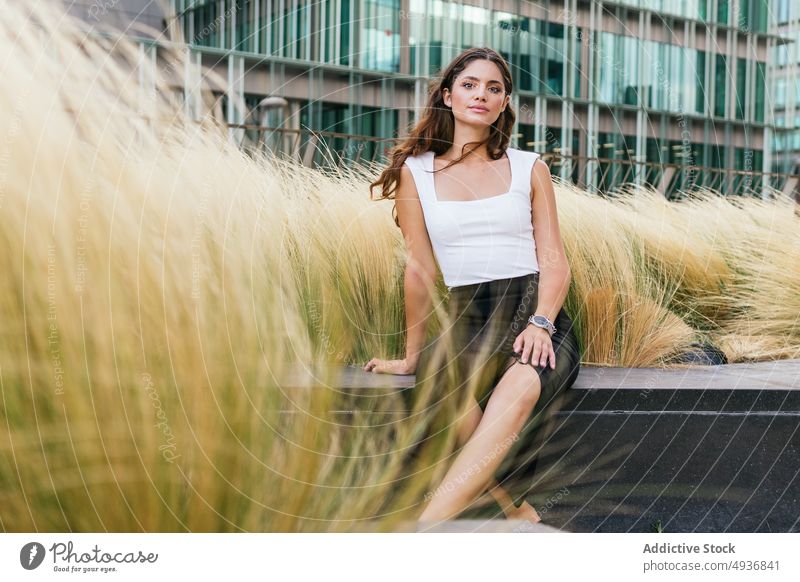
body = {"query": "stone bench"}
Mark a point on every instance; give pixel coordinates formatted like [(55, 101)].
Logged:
[(684, 449)]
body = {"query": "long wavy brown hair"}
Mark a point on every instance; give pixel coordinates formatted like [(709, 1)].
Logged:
[(434, 131)]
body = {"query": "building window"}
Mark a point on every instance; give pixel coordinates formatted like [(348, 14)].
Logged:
[(206, 25), (741, 87), (694, 9), (753, 15), (761, 89), (531, 51), (291, 29), (781, 54), (241, 30), (618, 65), (721, 84), (783, 11), (380, 38), (722, 12), (336, 37), (780, 93), (797, 90), (760, 15), (555, 55), (700, 82)]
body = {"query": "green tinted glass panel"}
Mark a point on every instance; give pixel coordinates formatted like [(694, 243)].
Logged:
[(722, 12), (761, 87), (741, 87), (700, 77), (720, 86)]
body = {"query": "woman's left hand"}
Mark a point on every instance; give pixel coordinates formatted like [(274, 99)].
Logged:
[(535, 343)]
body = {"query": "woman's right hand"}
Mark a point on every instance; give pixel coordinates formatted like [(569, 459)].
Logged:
[(400, 367)]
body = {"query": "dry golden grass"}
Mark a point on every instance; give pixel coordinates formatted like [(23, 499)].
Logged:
[(651, 277), (159, 285), (153, 303)]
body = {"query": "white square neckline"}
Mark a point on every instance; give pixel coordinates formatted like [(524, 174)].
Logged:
[(432, 155)]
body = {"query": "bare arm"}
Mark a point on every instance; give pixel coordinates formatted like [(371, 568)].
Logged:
[(418, 280), (555, 274), (420, 272)]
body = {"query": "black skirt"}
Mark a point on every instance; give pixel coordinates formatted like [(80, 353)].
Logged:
[(485, 319)]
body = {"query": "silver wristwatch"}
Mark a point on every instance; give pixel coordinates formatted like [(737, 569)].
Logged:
[(542, 321)]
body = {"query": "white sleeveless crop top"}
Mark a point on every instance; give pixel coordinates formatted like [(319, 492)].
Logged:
[(480, 240)]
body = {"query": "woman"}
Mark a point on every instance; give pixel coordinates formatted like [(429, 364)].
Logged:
[(486, 213)]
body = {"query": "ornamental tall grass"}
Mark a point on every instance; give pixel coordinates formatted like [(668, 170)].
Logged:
[(171, 307)]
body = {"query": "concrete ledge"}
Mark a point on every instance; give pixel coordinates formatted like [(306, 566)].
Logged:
[(679, 449), (776, 375), (697, 449)]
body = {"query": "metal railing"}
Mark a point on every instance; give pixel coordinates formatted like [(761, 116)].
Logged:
[(602, 175)]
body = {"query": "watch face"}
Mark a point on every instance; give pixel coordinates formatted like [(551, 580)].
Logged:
[(541, 321)]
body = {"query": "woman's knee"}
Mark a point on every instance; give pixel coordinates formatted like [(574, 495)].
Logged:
[(520, 388)]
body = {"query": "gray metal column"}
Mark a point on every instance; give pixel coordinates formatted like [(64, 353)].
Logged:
[(235, 97), (192, 79), (595, 12), (147, 72)]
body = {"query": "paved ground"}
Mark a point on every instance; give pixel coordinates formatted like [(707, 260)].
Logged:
[(469, 526)]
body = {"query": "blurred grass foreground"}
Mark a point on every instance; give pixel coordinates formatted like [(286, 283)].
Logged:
[(158, 283)]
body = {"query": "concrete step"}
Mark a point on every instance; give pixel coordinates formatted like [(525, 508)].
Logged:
[(682, 449), (711, 449)]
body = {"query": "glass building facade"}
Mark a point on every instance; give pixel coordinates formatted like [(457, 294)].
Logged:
[(663, 81), (786, 88)]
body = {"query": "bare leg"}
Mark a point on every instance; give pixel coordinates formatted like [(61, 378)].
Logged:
[(500, 495), (510, 405)]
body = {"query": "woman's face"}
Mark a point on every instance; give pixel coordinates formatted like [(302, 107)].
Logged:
[(478, 95)]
